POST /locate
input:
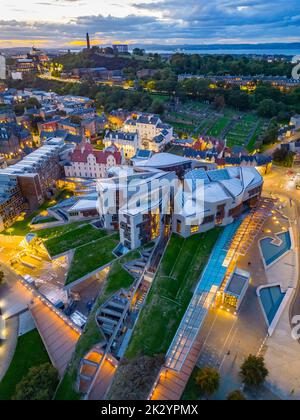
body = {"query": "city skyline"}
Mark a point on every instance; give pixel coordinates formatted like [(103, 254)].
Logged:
[(63, 23)]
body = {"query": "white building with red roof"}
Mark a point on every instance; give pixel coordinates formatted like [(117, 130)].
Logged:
[(85, 162)]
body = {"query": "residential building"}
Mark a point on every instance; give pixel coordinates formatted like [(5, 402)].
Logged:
[(120, 48), (13, 139), (7, 115), (295, 121), (35, 176), (2, 67), (125, 141), (9, 142), (49, 126), (12, 202), (70, 126), (85, 162), (63, 134), (153, 134)]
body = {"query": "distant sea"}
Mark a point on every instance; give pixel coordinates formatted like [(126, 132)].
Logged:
[(271, 51), (291, 49)]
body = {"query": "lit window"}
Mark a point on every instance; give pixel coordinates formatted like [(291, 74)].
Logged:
[(194, 229)]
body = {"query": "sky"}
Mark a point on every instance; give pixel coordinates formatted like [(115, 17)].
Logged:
[(63, 23)]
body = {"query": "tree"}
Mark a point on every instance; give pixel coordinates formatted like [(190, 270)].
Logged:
[(236, 396), (138, 51), (34, 103), (38, 385), (284, 157), (219, 102), (157, 107), (208, 380), (135, 377), (253, 371)]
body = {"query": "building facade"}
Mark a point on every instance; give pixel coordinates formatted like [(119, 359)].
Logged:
[(27, 184), (153, 134), (127, 142), (12, 202), (197, 203), (85, 162), (9, 142), (2, 67)]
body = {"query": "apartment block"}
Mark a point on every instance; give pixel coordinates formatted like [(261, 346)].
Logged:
[(125, 141)]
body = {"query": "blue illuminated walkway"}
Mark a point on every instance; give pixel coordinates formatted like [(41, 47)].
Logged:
[(204, 296)]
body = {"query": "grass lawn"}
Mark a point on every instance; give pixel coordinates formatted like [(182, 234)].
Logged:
[(118, 278), (219, 127), (55, 232), (160, 98), (180, 127), (74, 238), (172, 290), (254, 138), (92, 256), (30, 352), (192, 391)]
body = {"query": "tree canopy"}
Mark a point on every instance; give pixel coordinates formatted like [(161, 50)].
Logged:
[(208, 380), (39, 384), (253, 371)]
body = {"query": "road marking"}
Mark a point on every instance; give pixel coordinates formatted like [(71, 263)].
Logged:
[(210, 330), (233, 336)]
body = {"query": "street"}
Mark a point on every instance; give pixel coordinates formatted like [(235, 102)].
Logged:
[(229, 339)]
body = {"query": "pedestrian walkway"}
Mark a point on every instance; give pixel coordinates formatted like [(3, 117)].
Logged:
[(204, 296), (59, 338), (171, 384), (8, 347)]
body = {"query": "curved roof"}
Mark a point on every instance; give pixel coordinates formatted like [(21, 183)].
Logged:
[(161, 160)]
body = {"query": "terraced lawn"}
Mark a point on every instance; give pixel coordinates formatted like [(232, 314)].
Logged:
[(254, 138), (239, 134), (172, 290), (219, 127), (78, 235), (118, 277), (93, 255)]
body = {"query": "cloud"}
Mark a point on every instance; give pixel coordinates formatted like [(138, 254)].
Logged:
[(169, 21)]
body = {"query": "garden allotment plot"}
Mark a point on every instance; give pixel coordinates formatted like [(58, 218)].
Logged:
[(245, 132)]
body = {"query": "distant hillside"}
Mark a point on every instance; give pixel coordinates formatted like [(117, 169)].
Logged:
[(87, 59)]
